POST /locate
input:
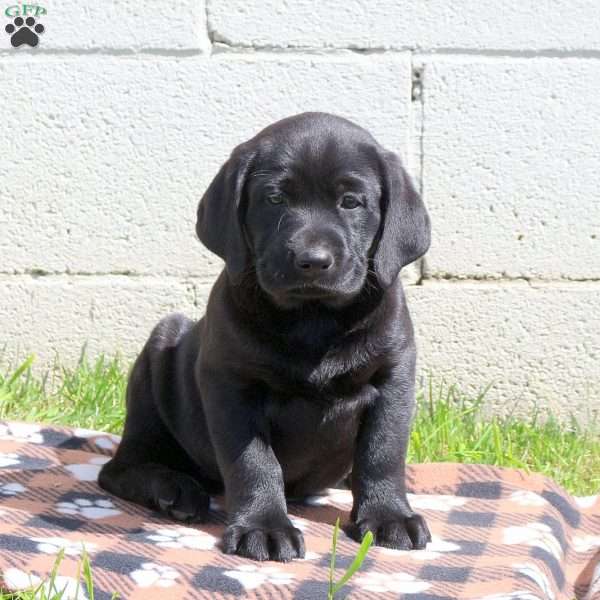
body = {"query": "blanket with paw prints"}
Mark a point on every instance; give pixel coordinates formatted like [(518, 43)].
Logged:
[(498, 534)]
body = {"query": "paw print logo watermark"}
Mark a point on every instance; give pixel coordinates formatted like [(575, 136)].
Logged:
[(183, 537), (100, 508), (25, 29), (151, 574)]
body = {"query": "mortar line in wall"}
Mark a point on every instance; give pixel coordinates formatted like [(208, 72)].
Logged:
[(209, 280), (219, 48), (432, 279), (34, 275), (124, 52), (224, 47), (507, 53)]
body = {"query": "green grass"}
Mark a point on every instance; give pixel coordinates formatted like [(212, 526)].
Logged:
[(335, 587), (53, 588), (452, 427), (449, 426), (90, 396)]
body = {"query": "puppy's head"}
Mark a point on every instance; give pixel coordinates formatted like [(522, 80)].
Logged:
[(312, 204)]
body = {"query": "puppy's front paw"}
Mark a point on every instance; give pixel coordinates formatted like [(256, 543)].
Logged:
[(393, 529), (279, 541)]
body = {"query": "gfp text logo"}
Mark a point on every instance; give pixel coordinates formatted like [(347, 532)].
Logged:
[(25, 10)]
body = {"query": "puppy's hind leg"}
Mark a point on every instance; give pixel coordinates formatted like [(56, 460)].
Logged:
[(150, 468), (176, 494)]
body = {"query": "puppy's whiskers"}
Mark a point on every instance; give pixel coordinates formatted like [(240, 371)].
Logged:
[(369, 285), (280, 220), (260, 173)]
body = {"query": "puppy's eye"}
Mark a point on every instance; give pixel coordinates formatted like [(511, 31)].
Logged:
[(275, 199), (349, 201)]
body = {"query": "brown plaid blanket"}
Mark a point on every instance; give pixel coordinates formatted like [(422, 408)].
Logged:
[(498, 534)]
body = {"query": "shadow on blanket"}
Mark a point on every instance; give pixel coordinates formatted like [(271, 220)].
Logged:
[(497, 534)]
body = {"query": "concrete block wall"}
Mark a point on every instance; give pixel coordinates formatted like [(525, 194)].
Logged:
[(115, 124)]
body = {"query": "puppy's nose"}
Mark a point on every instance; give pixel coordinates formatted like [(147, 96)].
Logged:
[(314, 260)]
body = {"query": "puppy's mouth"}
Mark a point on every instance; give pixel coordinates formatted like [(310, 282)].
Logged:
[(311, 292), (330, 291)]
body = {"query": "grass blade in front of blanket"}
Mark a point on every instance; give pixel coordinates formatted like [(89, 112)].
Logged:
[(50, 589), (366, 543)]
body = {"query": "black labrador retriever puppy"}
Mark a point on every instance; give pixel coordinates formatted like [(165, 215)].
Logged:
[(302, 371)]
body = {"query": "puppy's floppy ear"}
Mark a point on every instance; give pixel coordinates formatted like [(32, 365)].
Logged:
[(219, 225), (405, 232)]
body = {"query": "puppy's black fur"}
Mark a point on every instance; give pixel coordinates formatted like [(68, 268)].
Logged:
[(303, 368)]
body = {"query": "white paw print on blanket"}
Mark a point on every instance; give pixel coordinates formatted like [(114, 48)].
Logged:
[(439, 502), (527, 498), (436, 548), (9, 459), (534, 534), (106, 441), (53, 545), (253, 576), (392, 582), (587, 542), (152, 574), (300, 523), (88, 471), (308, 555), (586, 501), (11, 489), (594, 589), (520, 595), (183, 537), (332, 496), (88, 509), (533, 572), (63, 587), (21, 432)]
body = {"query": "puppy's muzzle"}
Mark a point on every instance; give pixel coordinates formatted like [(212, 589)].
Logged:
[(317, 254)]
